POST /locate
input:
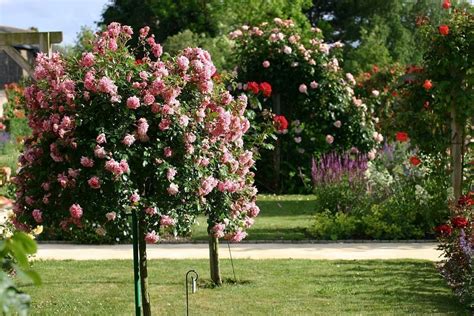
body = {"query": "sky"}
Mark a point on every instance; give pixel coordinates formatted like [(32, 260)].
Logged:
[(52, 15)]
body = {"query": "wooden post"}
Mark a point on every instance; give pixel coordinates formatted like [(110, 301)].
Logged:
[(457, 134), (214, 260), (146, 303)]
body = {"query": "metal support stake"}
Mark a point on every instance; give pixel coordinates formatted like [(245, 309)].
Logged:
[(136, 266), (194, 287), (231, 261)]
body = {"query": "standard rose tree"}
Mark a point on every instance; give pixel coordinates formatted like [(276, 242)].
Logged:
[(113, 135), (307, 86)]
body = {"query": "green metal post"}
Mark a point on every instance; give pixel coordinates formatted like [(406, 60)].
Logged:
[(136, 267)]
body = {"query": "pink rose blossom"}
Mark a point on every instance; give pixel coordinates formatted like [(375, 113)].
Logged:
[(287, 50), (94, 182), (99, 152), (166, 221), (337, 124), (266, 64), (168, 152), (76, 211), (100, 139), (135, 198), (171, 173), (329, 139), (37, 215), (303, 88), (111, 216), (128, 140), (237, 236), (218, 230), (87, 60), (133, 103), (151, 211), (148, 99), (173, 189), (152, 238), (313, 84)]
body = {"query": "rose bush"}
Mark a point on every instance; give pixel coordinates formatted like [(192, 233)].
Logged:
[(113, 135), (310, 89), (457, 243)]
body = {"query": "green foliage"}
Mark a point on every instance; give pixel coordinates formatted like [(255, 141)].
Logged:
[(14, 251), (395, 200)]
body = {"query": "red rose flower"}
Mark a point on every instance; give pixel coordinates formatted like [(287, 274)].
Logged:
[(427, 84), (443, 29), (280, 122), (253, 86), (401, 137), (138, 61), (446, 4), (444, 230), (415, 161), (266, 89), (465, 200), (459, 222)]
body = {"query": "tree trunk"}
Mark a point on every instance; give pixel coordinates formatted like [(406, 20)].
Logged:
[(143, 268), (456, 153), (214, 260), (277, 151)]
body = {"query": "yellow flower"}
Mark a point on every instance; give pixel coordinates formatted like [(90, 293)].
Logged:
[(38, 230)]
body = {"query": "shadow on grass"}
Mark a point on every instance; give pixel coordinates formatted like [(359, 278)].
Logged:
[(208, 284)]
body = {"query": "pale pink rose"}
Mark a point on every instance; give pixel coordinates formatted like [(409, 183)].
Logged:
[(76, 211), (287, 50), (218, 230), (46, 186), (237, 236), (134, 198), (372, 154), (189, 138), (128, 140), (124, 166), (148, 99), (266, 64), (183, 63), (87, 60), (303, 88), (166, 221), (171, 173), (173, 189), (375, 93), (313, 84), (168, 151), (99, 152), (111, 216), (357, 102), (151, 211), (329, 139), (184, 120), (133, 103), (337, 124), (164, 124), (94, 182), (152, 238), (297, 139), (100, 139), (37, 215)]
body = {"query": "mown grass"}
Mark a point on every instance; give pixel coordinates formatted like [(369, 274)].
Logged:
[(282, 217), (264, 287)]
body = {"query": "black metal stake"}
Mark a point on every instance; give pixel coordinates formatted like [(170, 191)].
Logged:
[(231, 261), (136, 267), (193, 279)]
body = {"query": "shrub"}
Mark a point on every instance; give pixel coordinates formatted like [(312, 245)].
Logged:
[(112, 135), (310, 90), (456, 239)]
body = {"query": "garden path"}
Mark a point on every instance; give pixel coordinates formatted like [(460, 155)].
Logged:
[(329, 251)]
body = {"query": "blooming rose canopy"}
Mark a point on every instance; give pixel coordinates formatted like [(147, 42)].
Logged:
[(113, 135)]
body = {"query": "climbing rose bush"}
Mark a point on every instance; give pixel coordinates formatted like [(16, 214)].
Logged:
[(114, 135), (310, 89)]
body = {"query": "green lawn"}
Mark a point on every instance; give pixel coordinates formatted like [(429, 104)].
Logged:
[(265, 287), (282, 217)]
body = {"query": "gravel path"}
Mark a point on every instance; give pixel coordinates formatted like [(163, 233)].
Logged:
[(332, 251)]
